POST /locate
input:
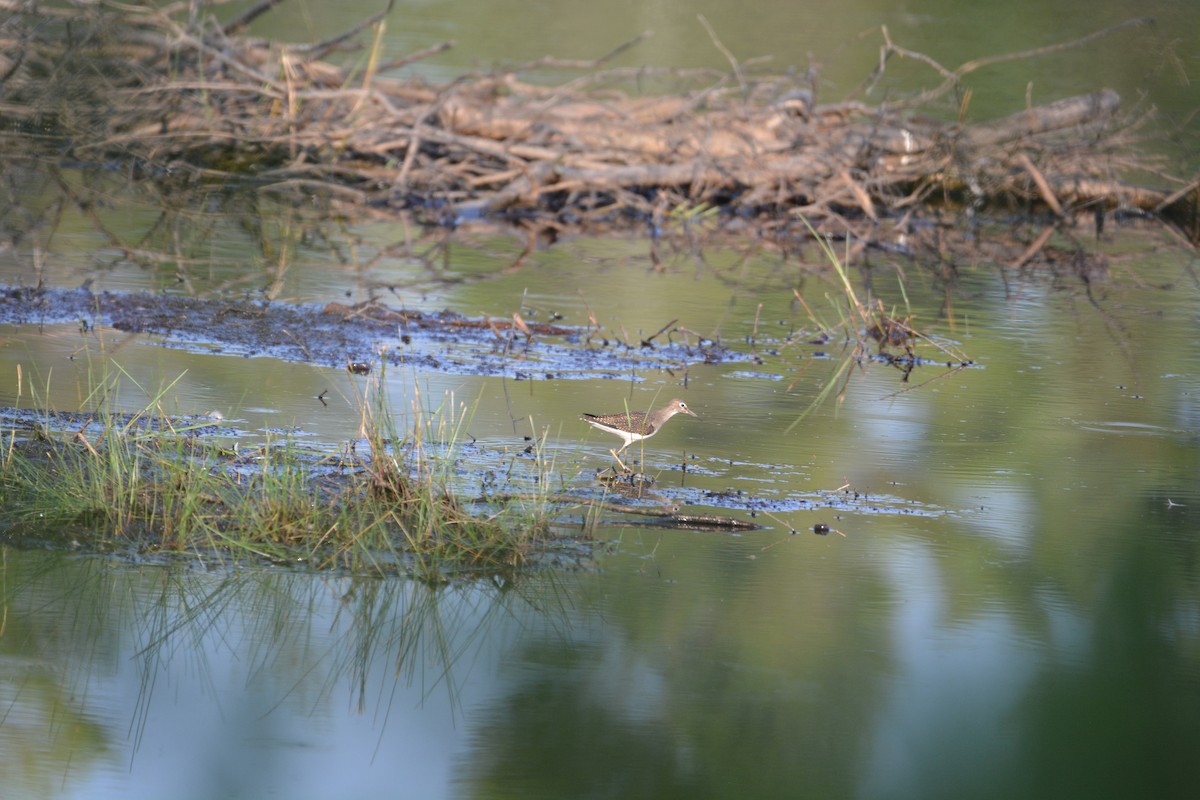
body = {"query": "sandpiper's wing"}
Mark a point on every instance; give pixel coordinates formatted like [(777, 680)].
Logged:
[(633, 421)]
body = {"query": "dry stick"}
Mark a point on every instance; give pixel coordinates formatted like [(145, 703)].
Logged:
[(188, 39), (953, 352), (1066, 113), (417, 55), (517, 155), (494, 177), (372, 66), (624, 73), (289, 76), (550, 61), (552, 95), (310, 185), (650, 339), (1043, 187), (952, 77), (27, 9), (321, 49), (693, 172), (885, 52), (673, 516), (917, 196), (860, 194), (1175, 197), (303, 348), (807, 308), (16, 63), (255, 11), (621, 48), (410, 155), (737, 71)]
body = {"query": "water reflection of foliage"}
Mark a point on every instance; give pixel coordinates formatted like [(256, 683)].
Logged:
[(301, 639), (234, 236), (198, 236), (46, 719)]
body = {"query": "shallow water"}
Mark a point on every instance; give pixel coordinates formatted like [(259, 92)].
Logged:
[(1013, 609), (1008, 605)]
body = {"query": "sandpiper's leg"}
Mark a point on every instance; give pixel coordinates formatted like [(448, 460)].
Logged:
[(619, 461)]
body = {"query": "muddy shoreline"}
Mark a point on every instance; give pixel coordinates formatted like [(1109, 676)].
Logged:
[(364, 336)]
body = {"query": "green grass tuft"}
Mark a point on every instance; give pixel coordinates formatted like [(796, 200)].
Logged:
[(150, 480)]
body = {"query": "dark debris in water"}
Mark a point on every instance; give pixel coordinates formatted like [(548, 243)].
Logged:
[(684, 507), (836, 501), (89, 424), (355, 337)]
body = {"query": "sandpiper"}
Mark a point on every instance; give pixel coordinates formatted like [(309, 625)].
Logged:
[(633, 426)]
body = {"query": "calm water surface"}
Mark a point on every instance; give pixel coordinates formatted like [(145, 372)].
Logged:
[(1013, 609)]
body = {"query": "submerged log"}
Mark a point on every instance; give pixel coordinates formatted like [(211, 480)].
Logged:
[(157, 89)]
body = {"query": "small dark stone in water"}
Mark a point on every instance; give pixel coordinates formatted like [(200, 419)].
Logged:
[(358, 368), (820, 529)]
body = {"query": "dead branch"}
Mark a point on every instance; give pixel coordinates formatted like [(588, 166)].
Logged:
[(666, 516), (150, 87), (953, 77)]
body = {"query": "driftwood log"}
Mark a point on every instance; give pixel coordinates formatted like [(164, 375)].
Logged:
[(169, 93)]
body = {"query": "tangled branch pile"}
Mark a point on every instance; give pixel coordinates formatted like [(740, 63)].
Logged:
[(151, 87)]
